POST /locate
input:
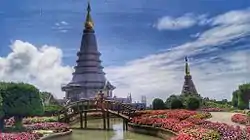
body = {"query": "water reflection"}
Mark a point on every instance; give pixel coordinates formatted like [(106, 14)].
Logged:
[(117, 134)]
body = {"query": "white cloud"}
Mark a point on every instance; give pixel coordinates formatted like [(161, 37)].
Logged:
[(188, 20), (195, 35), (62, 26), (157, 75), (185, 21), (64, 23), (64, 31), (233, 17), (42, 67), (160, 75)]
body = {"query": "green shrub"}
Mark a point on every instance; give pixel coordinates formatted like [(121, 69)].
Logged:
[(184, 98), (248, 113), (169, 100), (242, 105), (51, 109), (193, 103), (176, 104), (212, 104), (241, 96), (158, 104), (20, 100)]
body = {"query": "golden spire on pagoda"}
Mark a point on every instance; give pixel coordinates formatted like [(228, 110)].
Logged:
[(187, 70), (89, 24)]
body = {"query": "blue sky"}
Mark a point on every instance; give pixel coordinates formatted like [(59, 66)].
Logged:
[(148, 38)]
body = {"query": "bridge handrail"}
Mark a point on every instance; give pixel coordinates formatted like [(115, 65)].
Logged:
[(85, 100), (74, 103), (122, 104), (92, 100)]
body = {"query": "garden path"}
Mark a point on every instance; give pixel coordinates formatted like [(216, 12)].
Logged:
[(223, 117)]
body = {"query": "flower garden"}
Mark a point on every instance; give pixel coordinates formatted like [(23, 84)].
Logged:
[(20, 101), (34, 128), (191, 125), (212, 109), (239, 118)]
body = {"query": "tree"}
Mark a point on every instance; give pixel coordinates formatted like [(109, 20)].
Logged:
[(21, 100), (206, 99), (244, 93), (241, 96), (224, 101), (184, 99), (176, 104), (193, 103), (1, 113), (169, 100), (241, 103), (158, 104), (2, 116)]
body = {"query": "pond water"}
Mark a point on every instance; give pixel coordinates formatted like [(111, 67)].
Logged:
[(116, 134)]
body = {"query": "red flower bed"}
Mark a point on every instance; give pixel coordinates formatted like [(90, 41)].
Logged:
[(31, 120), (191, 125), (19, 136), (170, 123), (33, 124), (199, 133), (178, 114), (195, 120), (181, 125), (183, 136), (227, 132), (247, 129), (56, 127), (212, 109), (239, 118), (181, 114)]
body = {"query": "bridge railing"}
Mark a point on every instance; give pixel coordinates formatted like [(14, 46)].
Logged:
[(104, 105)]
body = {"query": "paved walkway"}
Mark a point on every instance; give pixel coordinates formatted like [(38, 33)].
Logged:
[(223, 117)]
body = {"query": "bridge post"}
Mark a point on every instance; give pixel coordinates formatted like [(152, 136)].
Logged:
[(85, 116), (108, 120), (97, 104), (88, 105), (124, 127), (118, 108), (107, 104), (81, 120), (82, 106), (85, 119), (112, 106), (77, 105), (104, 119)]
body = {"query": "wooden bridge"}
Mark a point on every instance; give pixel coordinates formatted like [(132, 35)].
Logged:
[(107, 107)]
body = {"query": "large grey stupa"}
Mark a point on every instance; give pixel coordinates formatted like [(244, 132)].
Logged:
[(188, 86), (88, 77)]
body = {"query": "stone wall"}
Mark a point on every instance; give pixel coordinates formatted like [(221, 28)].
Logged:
[(56, 135), (153, 131)]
